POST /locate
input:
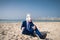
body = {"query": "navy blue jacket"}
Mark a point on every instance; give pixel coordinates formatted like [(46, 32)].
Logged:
[(24, 24)]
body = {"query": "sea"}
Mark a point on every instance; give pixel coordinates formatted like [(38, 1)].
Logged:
[(21, 20)]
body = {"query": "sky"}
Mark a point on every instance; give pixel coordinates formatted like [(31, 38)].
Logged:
[(17, 9)]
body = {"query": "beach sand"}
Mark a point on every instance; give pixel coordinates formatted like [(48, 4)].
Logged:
[(12, 31)]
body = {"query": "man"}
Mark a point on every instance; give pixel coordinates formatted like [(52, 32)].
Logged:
[(30, 29)]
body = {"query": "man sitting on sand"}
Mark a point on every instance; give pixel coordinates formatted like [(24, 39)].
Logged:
[(29, 28)]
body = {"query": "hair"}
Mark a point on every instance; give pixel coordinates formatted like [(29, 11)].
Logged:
[(28, 17)]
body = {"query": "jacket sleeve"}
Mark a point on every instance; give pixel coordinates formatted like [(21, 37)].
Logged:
[(23, 24), (32, 24)]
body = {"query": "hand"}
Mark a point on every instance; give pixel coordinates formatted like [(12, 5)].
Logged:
[(23, 28), (34, 27)]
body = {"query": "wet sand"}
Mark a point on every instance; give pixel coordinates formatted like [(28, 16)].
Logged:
[(12, 31)]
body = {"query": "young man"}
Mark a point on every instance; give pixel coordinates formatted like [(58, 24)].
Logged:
[(29, 28)]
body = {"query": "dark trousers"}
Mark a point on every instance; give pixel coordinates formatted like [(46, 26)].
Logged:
[(25, 31)]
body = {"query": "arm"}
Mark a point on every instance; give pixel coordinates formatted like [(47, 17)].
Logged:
[(22, 27), (34, 26)]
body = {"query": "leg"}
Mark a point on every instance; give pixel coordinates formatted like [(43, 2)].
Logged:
[(32, 32), (25, 32), (39, 34)]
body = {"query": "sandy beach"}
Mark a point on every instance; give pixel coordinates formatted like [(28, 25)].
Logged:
[(12, 31)]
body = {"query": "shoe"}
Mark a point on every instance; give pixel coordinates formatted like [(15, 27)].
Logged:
[(43, 35)]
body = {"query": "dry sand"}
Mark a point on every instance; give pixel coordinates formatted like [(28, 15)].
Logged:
[(12, 31)]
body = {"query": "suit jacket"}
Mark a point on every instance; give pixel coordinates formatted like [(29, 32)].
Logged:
[(24, 24)]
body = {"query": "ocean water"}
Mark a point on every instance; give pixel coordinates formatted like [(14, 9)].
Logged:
[(5, 20), (46, 20)]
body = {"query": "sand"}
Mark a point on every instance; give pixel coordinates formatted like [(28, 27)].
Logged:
[(12, 31)]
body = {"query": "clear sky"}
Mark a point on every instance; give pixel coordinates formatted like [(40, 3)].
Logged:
[(17, 9)]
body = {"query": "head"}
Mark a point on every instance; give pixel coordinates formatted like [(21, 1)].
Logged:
[(28, 18)]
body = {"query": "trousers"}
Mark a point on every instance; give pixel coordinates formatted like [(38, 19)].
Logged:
[(25, 31)]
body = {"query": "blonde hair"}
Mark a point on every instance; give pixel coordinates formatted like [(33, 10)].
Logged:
[(28, 17)]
